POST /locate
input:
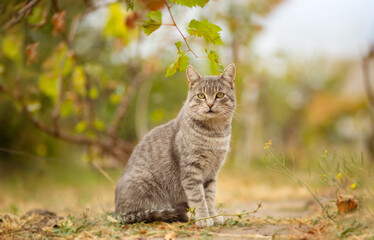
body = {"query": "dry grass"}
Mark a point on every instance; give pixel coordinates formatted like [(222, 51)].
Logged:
[(82, 207)]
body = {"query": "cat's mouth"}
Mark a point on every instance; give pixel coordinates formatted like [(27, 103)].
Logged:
[(210, 111)]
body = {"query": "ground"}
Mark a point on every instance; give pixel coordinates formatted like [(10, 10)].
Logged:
[(77, 205)]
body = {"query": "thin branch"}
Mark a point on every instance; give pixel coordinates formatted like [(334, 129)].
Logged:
[(60, 80), (105, 174), (56, 6), (88, 100), (79, 17), (42, 22), (368, 87), (20, 14), (239, 215), (123, 106), (50, 131), (180, 32)]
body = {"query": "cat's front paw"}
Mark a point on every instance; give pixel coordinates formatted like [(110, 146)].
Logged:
[(219, 220), (205, 223)]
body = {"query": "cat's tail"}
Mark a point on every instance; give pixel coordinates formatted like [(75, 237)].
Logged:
[(164, 215)]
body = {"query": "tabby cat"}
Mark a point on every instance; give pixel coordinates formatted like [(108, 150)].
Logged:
[(175, 166)]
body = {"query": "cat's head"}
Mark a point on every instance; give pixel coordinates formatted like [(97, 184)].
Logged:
[(211, 97)]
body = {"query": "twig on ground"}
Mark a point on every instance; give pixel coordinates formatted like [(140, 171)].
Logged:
[(289, 174), (259, 205)]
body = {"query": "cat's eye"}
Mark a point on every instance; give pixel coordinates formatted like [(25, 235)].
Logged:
[(220, 95), (201, 95)]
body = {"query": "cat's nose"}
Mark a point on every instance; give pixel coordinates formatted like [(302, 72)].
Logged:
[(210, 105)]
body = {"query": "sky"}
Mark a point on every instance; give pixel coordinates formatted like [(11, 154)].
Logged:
[(334, 29)]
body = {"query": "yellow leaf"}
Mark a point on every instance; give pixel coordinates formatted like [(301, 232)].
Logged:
[(81, 126), (339, 176), (41, 149), (94, 93), (47, 83), (116, 24), (11, 46), (114, 98), (79, 80)]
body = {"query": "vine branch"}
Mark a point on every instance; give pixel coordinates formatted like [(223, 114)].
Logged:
[(180, 32)]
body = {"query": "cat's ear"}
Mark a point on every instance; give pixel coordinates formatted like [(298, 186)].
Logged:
[(229, 74), (192, 75)]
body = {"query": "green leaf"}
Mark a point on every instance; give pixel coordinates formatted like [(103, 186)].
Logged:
[(158, 115), (99, 125), (114, 98), (206, 30), (178, 45), (213, 56), (79, 80), (47, 84), (41, 149), (36, 16), (192, 3), (80, 127), (67, 108), (180, 64), (153, 22), (11, 46), (94, 93)]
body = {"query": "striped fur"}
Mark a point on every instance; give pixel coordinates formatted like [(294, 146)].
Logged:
[(175, 165), (165, 215)]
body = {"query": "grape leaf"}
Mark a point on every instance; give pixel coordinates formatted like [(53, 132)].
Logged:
[(153, 23), (213, 56), (180, 64), (206, 30), (192, 3)]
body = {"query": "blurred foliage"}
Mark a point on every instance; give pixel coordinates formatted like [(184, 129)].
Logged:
[(75, 66)]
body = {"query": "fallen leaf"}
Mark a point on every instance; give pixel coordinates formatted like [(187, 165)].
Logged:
[(170, 236), (346, 203)]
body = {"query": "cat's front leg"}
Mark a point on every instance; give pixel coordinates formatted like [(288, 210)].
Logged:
[(191, 178), (210, 194)]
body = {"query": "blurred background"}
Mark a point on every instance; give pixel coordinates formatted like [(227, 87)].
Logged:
[(81, 84)]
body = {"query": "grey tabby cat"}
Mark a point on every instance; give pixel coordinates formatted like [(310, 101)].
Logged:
[(175, 166)]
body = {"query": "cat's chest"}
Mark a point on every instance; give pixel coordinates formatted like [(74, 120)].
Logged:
[(208, 150), (192, 140)]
